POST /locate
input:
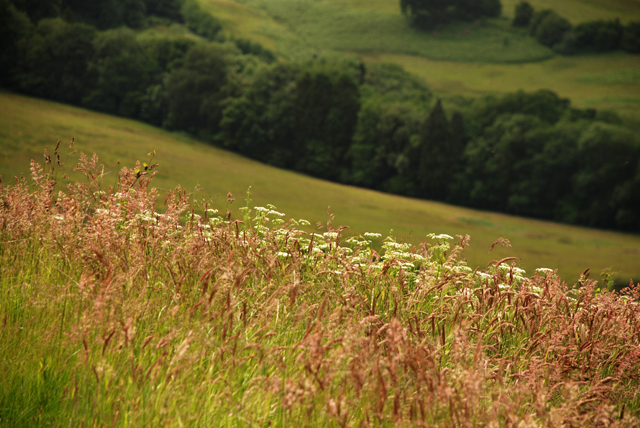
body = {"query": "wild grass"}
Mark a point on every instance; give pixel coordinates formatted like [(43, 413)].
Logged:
[(27, 125), (114, 314)]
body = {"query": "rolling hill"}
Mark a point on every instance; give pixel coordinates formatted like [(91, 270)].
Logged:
[(27, 125), (467, 59)]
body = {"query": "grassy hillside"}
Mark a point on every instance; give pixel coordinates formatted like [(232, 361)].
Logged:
[(463, 59), (116, 315), (340, 26), (27, 125), (610, 81)]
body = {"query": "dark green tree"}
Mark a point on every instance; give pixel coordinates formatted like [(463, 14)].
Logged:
[(549, 28), (124, 72), (543, 104), (436, 155), (631, 38), (260, 123), (199, 21), (39, 9), (524, 13), (608, 161), (498, 161), (55, 61), (597, 36), (169, 9), (430, 13), (326, 105), (105, 14), (195, 92), (544, 190), (167, 50), (14, 26), (385, 148)]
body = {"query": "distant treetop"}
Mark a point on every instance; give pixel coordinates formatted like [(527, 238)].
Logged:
[(431, 13)]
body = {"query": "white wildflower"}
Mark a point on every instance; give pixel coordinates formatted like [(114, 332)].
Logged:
[(371, 235), (439, 237)]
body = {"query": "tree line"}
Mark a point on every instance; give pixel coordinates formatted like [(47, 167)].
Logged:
[(555, 31), (427, 14), (547, 26), (374, 126)]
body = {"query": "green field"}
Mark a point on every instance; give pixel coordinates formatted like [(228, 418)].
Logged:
[(578, 11), (462, 60), (27, 125), (340, 26), (610, 81)]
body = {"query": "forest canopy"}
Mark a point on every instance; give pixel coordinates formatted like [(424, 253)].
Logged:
[(430, 13)]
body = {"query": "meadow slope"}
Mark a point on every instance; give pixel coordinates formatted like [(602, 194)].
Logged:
[(115, 314), (27, 125), (462, 60)]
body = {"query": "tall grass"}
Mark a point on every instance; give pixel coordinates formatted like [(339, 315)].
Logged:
[(113, 314)]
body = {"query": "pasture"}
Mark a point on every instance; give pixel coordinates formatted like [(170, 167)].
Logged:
[(464, 59)]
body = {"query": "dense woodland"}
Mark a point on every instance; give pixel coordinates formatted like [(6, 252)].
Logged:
[(166, 62)]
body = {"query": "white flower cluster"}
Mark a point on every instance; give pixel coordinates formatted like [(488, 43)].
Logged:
[(516, 270), (441, 237), (269, 211), (371, 235)]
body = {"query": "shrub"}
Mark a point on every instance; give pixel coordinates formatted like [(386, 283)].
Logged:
[(14, 25), (427, 14), (549, 28), (598, 36), (523, 15), (55, 61), (199, 21), (631, 38)]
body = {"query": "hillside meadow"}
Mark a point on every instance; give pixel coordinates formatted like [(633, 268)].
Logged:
[(461, 60), (605, 81), (114, 314), (27, 125)]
